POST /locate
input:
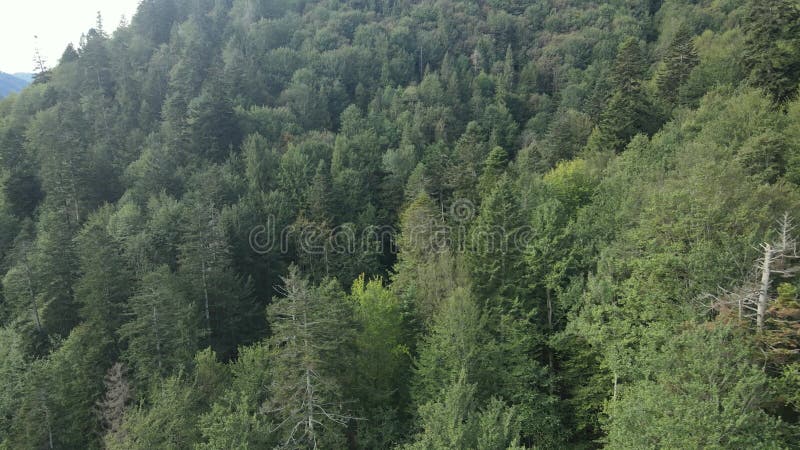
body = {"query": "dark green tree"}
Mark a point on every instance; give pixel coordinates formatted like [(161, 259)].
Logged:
[(677, 64), (106, 280), (772, 47), (164, 328), (628, 111)]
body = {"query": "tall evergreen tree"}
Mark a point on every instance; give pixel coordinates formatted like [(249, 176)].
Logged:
[(496, 244), (224, 299), (628, 111), (458, 420), (106, 281), (772, 47), (677, 64), (163, 331)]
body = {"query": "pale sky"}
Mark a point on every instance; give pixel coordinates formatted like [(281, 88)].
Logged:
[(56, 22)]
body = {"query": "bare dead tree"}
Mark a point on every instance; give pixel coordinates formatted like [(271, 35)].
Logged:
[(305, 397), (40, 64), (111, 409), (752, 298), (777, 261)]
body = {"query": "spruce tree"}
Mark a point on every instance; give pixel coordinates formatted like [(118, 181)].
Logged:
[(496, 244), (163, 329), (628, 111), (106, 280)]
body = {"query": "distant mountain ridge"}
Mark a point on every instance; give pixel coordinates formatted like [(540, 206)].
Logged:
[(12, 83), (24, 76)]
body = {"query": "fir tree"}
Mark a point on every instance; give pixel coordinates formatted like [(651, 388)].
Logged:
[(677, 64), (772, 47)]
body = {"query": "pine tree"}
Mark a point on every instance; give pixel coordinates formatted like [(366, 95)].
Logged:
[(20, 282), (428, 270), (236, 420), (493, 168), (458, 420), (54, 264), (177, 403), (318, 197), (205, 266), (457, 342), (378, 379), (261, 163), (13, 376), (468, 157)]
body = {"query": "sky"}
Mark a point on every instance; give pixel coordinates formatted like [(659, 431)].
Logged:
[(56, 23)]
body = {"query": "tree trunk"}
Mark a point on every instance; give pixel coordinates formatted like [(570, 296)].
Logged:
[(205, 293), (34, 306), (550, 328), (158, 339), (763, 291)]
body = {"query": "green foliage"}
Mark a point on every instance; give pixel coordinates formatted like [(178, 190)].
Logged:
[(455, 347), (628, 111), (380, 365), (556, 236), (457, 421), (702, 392), (106, 279), (13, 367), (496, 243), (236, 419)]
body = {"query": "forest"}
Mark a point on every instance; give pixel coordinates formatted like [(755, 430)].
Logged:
[(407, 224)]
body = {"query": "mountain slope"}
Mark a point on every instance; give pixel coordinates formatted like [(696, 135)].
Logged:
[(406, 224), (10, 84)]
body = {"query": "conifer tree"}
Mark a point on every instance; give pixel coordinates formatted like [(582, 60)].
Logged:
[(497, 242), (458, 420), (677, 64), (106, 280), (55, 266), (163, 329), (379, 376), (224, 299), (493, 168), (628, 111), (772, 47), (457, 342)]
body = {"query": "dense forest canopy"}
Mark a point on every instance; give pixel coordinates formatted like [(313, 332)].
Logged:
[(367, 224)]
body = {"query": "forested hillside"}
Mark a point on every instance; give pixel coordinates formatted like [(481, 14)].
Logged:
[(373, 224)]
